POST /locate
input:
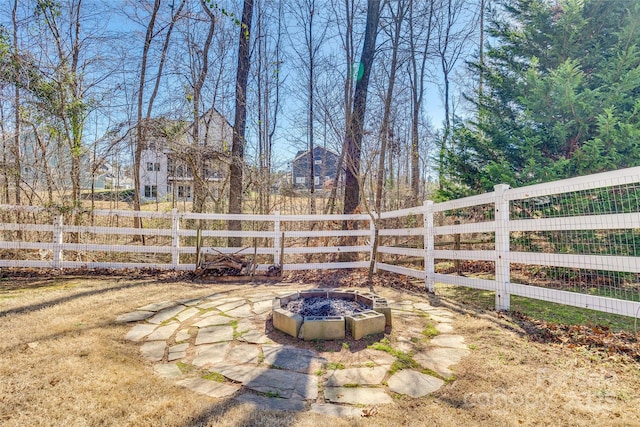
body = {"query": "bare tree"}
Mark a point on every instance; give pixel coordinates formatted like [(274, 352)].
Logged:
[(240, 122), (419, 45), (353, 144)]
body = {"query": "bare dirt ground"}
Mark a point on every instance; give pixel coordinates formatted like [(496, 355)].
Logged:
[(64, 361)]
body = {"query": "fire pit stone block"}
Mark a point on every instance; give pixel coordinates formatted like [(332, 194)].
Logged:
[(324, 328), (381, 306), (287, 322), (366, 323)]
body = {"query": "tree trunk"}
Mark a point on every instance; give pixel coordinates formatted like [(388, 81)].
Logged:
[(240, 122), (353, 143)]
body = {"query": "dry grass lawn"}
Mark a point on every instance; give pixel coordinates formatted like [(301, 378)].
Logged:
[(64, 361)]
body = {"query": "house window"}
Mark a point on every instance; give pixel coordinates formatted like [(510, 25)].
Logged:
[(169, 189), (300, 179), (150, 191), (156, 167), (170, 166), (150, 166), (184, 191), (316, 180), (317, 162)]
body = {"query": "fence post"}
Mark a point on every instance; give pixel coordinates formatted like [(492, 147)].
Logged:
[(429, 245), (503, 296), (58, 257), (276, 238), (175, 238)]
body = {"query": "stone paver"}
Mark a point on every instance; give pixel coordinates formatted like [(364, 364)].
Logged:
[(153, 351), (163, 332), (440, 359), (183, 335), (360, 376), (441, 319), (187, 314), (339, 411), (208, 387), (166, 314), (357, 395), (168, 370), (292, 358), (214, 334), (260, 307), (451, 341), (413, 383), (242, 311), (271, 403), (177, 352), (138, 332), (275, 381), (244, 353), (254, 337), (444, 328), (157, 306), (212, 354), (134, 316), (214, 320), (286, 377), (230, 305)]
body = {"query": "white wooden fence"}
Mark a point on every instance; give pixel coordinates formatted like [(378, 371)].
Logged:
[(167, 240)]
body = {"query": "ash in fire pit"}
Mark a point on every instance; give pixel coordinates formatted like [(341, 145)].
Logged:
[(319, 306)]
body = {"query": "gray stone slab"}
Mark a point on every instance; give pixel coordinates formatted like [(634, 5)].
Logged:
[(214, 334), (157, 306), (451, 341), (289, 385), (261, 307), (413, 383), (153, 351), (209, 355), (440, 359), (210, 388), (187, 314), (163, 332), (244, 325), (292, 358), (444, 328), (378, 357), (242, 311), (338, 411), (168, 370), (254, 337), (271, 403), (183, 335), (138, 332), (190, 302), (230, 305), (208, 305), (441, 319), (244, 353), (177, 352), (423, 306), (134, 316), (359, 376), (213, 321), (357, 395), (166, 314)]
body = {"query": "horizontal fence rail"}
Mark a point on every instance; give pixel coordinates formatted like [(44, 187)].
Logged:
[(574, 242)]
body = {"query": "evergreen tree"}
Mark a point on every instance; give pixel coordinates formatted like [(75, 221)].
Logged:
[(560, 97)]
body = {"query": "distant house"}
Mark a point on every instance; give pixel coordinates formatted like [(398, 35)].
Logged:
[(325, 164), (167, 161)]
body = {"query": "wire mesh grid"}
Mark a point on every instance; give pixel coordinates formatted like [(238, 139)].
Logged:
[(600, 257)]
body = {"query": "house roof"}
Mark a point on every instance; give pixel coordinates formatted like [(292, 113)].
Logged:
[(303, 153)]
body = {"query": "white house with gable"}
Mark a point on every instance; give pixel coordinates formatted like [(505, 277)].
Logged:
[(167, 161)]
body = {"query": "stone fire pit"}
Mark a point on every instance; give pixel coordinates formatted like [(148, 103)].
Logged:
[(327, 314)]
